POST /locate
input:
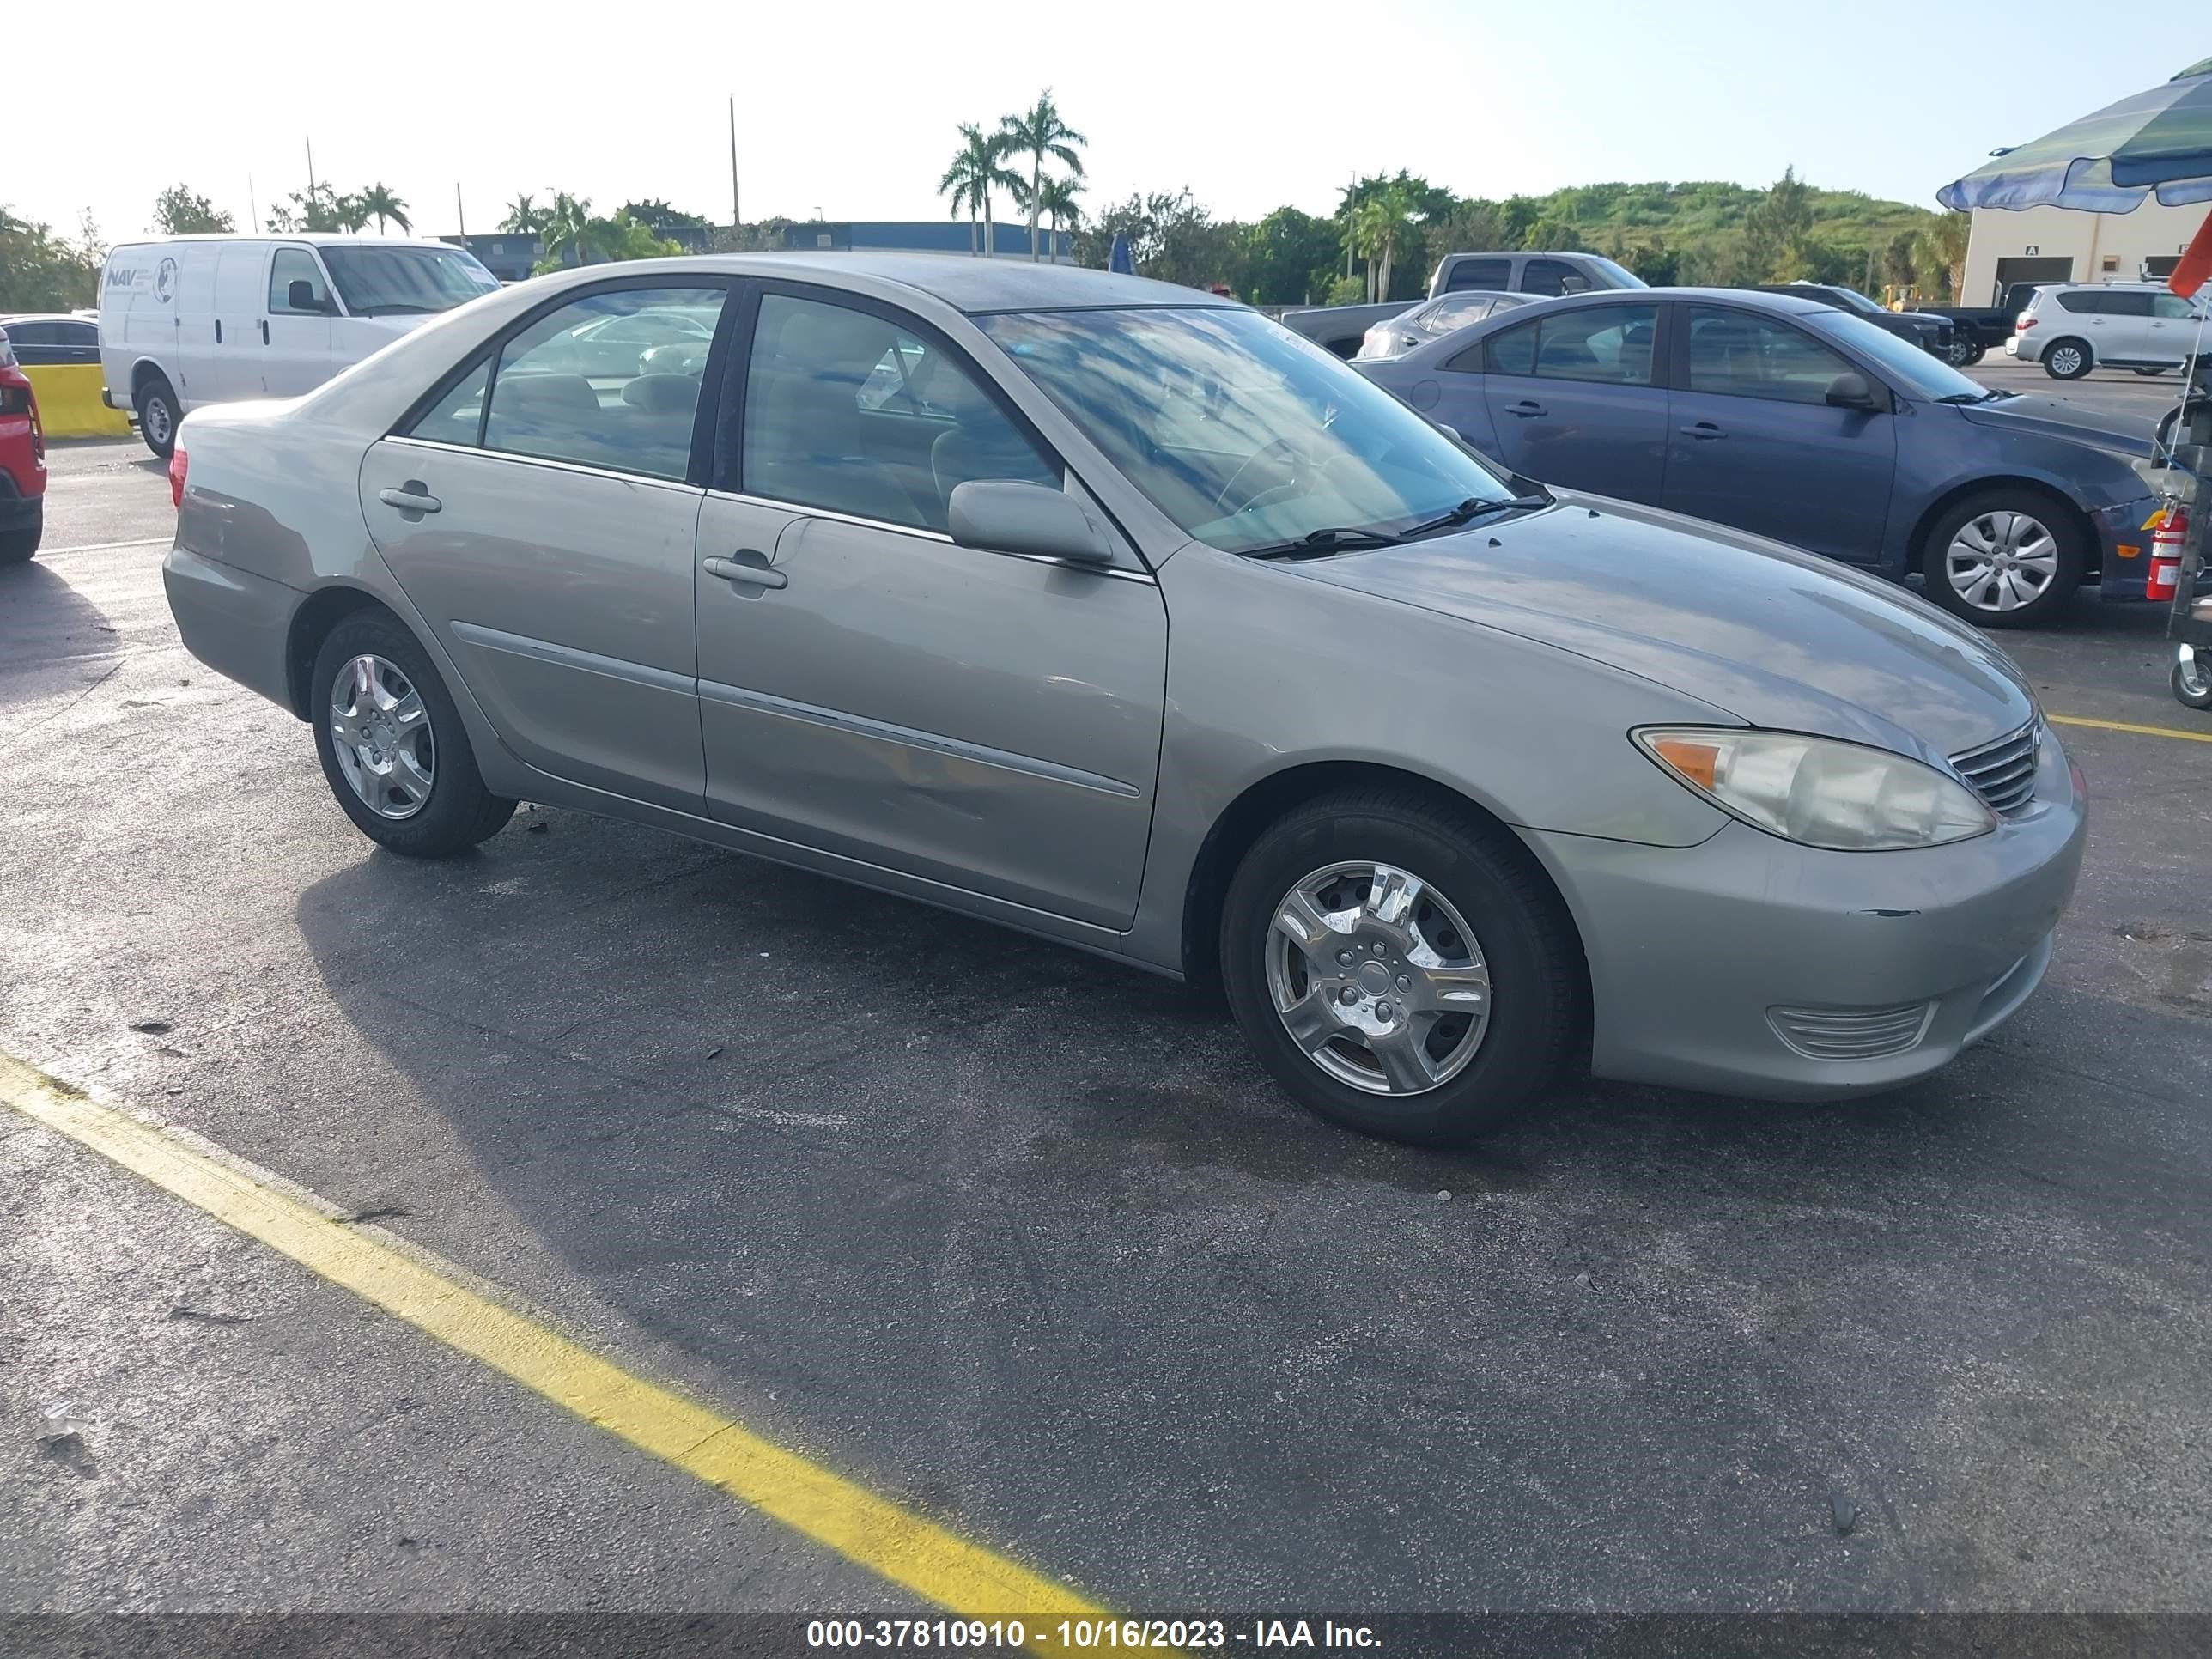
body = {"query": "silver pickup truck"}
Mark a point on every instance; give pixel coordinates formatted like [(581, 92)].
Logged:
[(1340, 328)]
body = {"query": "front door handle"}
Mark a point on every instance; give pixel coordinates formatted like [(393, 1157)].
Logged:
[(413, 496), (1525, 408), (1703, 429), (264, 330), (740, 568)]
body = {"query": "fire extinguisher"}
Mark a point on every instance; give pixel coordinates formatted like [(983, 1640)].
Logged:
[(2165, 554)]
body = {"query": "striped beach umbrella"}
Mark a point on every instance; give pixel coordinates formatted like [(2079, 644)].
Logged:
[(2156, 142)]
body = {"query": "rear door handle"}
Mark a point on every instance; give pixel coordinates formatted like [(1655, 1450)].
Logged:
[(414, 497), (1702, 429), (1525, 408), (740, 567), (264, 330)]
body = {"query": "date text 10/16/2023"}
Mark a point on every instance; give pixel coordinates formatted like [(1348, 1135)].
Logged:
[(1084, 1634)]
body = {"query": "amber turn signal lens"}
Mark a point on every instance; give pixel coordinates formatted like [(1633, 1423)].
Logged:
[(1694, 761)]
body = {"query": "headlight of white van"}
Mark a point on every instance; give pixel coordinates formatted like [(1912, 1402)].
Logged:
[(1818, 791)]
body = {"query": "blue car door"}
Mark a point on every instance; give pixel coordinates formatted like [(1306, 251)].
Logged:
[(1573, 398), (1755, 443)]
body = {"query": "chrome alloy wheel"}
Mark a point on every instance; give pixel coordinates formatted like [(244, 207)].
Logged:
[(380, 734), (2001, 561), (2065, 361), (1378, 978)]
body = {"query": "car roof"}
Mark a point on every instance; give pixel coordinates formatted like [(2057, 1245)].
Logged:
[(1751, 299), (311, 238), (968, 283), (7, 317)]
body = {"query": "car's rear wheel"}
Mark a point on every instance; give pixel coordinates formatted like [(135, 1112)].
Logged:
[(158, 416), (2148, 373), (17, 545), (2004, 558), (2067, 360), (392, 746), (1400, 966)]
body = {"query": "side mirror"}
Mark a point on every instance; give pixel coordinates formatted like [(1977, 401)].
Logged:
[(1025, 518), (301, 297), (1849, 390)]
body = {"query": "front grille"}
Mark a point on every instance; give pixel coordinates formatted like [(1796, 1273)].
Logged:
[(1851, 1033), (2003, 773)]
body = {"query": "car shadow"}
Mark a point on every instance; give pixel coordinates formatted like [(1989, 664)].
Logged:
[(53, 640)]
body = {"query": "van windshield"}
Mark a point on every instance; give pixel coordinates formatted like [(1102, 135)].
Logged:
[(391, 281)]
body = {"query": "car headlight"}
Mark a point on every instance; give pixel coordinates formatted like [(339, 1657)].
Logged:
[(1819, 791)]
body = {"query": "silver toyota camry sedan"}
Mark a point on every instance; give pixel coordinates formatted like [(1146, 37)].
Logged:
[(1117, 614)]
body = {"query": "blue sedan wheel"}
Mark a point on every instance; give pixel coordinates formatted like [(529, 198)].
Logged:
[(2003, 558)]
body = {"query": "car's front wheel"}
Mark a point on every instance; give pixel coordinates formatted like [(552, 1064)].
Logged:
[(2004, 558), (1400, 966), (392, 746), (2067, 360), (1975, 353)]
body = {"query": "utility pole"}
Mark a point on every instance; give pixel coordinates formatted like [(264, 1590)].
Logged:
[(253, 211), (460, 214), (738, 217), (311, 185)]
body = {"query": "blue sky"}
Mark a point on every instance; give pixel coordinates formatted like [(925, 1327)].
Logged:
[(851, 108)]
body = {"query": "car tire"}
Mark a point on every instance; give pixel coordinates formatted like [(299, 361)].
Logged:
[(2068, 359), (408, 786), (16, 546), (158, 416), (2193, 683), (2150, 374), (2018, 539), (1974, 355), (1499, 1001)]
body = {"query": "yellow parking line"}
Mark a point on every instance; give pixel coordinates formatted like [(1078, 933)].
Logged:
[(964, 1579), (2122, 725)]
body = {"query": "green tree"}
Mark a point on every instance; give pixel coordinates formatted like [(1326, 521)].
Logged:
[(1775, 230), (1171, 237), (655, 211), (1039, 134), (524, 217), (569, 235), (1288, 258), (1056, 197), (1943, 246), (178, 212), (1384, 227), (1557, 234), (41, 271), (978, 168), (378, 203)]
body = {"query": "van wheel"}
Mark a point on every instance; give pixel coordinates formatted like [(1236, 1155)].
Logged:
[(158, 416), (1400, 967), (392, 746), (2067, 360)]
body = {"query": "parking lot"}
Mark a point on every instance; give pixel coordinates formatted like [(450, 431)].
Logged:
[(1019, 1241)]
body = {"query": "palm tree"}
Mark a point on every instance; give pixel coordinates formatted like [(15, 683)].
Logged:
[(1056, 198), (352, 212), (379, 204), (570, 234), (1039, 132), (1946, 242), (1379, 224), (523, 216), (977, 169)]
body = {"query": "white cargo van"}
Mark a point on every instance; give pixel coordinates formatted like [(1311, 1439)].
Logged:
[(188, 320)]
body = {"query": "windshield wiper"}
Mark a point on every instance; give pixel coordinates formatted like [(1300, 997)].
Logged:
[(1974, 396), (1320, 544), (1475, 508)]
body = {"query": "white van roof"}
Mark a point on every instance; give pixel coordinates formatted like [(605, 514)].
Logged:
[(311, 238)]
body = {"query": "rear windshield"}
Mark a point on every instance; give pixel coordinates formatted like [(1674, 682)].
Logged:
[(393, 282)]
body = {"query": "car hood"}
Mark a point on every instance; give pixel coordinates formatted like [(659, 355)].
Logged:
[(2053, 417), (1775, 637)]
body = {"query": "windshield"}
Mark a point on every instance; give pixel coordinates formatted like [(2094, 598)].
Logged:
[(1241, 432), (389, 282), (1920, 373), (1622, 277)]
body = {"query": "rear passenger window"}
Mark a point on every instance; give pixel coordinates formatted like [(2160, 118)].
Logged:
[(1513, 352), (1478, 273), (610, 380), (846, 410), (457, 417)]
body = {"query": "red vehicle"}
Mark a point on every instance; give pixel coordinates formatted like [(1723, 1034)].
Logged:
[(22, 462)]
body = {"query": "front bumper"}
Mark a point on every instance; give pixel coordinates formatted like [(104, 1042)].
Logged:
[(1701, 958), (2127, 575)]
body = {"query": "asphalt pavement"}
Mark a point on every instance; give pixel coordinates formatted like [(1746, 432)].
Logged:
[(1023, 1242)]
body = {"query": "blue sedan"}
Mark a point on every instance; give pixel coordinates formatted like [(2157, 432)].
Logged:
[(1798, 421)]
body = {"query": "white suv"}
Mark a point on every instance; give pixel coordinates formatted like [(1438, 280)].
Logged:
[(2071, 329)]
